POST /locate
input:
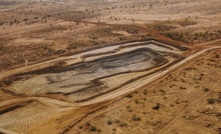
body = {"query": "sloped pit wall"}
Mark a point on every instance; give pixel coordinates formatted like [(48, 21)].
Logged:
[(59, 68), (94, 84), (173, 44)]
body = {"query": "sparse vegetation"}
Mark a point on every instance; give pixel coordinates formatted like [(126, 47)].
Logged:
[(129, 95), (122, 124), (206, 89), (136, 118), (93, 128), (114, 89), (116, 121), (156, 107), (194, 37), (160, 26), (211, 101), (109, 122), (186, 22)]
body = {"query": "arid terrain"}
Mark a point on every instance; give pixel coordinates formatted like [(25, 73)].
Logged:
[(110, 67)]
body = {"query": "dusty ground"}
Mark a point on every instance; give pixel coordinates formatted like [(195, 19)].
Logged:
[(186, 101), (36, 35), (44, 26)]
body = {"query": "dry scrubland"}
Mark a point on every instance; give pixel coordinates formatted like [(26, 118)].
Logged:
[(185, 101), (47, 85)]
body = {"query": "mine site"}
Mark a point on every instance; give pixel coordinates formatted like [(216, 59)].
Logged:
[(110, 67)]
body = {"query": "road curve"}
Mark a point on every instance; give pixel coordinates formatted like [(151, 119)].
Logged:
[(129, 88), (143, 81)]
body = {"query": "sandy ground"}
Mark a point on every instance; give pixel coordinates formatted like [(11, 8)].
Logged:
[(184, 98), (60, 108), (180, 113)]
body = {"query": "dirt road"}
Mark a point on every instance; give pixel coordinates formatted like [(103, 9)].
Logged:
[(128, 88), (144, 81)]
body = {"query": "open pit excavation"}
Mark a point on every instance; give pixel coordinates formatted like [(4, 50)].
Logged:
[(84, 76), (110, 67), (45, 95)]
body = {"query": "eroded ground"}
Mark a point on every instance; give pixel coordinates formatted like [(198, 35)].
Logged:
[(83, 66), (102, 70), (186, 101), (158, 106)]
